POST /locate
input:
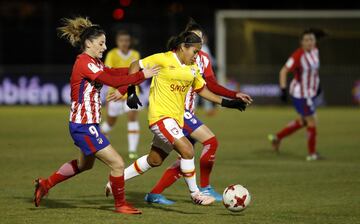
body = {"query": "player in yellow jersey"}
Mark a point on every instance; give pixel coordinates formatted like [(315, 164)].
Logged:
[(122, 56), (166, 108)]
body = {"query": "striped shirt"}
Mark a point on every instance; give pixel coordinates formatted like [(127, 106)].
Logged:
[(204, 64), (305, 67), (85, 91)]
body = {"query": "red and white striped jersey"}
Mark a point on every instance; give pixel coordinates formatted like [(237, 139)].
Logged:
[(205, 66), (305, 67), (85, 91)]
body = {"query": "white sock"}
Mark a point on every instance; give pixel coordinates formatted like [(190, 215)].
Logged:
[(139, 167), (133, 135), (187, 167), (105, 127)]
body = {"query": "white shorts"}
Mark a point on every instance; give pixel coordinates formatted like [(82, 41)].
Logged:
[(166, 131), (118, 108)]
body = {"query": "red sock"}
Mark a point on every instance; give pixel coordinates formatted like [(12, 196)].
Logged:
[(118, 189), (289, 129), (66, 171), (169, 177), (311, 131), (207, 160)]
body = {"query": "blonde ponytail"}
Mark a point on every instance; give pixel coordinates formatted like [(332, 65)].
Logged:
[(73, 29)]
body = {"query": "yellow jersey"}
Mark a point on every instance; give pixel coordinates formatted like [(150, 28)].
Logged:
[(169, 88), (116, 59)]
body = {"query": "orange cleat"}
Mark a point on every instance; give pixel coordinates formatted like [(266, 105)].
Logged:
[(127, 208), (40, 191)]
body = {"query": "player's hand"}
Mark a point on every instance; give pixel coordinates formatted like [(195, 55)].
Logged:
[(132, 101), (283, 95), (244, 97), (150, 72), (237, 104), (115, 96)]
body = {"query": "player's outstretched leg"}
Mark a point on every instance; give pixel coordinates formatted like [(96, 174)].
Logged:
[(116, 178), (207, 160), (66, 171), (275, 143), (170, 176), (286, 131), (40, 191), (187, 167), (311, 139), (137, 168)]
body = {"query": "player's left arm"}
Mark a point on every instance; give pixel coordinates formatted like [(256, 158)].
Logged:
[(200, 87), (218, 89), (236, 103)]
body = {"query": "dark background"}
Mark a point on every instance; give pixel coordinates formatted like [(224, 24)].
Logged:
[(34, 61), (28, 34)]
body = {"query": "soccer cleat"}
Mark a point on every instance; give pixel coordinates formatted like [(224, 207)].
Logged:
[(108, 190), (133, 155), (275, 142), (158, 199), (127, 208), (208, 190), (40, 191), (200, 198), (313, 157)]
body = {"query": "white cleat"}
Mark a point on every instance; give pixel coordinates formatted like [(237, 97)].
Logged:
[(200, 198)]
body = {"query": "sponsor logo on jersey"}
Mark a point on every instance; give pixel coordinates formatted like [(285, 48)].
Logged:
[(93, 67), (178, 88)]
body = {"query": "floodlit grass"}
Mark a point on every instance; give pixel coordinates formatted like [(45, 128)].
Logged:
[(285, 188)]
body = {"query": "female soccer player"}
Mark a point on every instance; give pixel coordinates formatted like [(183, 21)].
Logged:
[(122, 56), (304, 64), (196, 131), (88, 76), (166, 108)]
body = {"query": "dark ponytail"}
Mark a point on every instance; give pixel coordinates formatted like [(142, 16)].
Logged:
[(192, 25), (186, 37), (318, 33)]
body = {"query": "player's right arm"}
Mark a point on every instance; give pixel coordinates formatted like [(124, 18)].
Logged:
[(283, 77), (201, 89), (135, 67), (113, 77), (291, 64)]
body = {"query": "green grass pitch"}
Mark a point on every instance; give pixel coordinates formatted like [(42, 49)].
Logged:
[(285, 188)]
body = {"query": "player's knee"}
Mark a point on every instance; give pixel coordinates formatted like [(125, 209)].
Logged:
[(84, 166), (117, 166), (311, 124), (187, 153), (302, 121), (154, 161), (213, 142)]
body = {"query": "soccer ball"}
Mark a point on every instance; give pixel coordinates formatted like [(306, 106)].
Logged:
[(236, 198)]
